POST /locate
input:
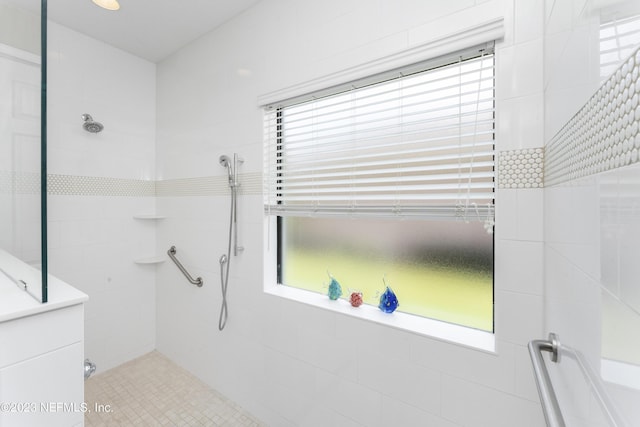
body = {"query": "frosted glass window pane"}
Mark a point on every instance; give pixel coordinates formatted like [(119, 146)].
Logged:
[(438, 269)]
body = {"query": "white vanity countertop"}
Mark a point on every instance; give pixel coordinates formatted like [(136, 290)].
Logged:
[(15, 302)]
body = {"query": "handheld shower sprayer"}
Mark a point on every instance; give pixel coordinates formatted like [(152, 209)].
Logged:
[(225, 161)]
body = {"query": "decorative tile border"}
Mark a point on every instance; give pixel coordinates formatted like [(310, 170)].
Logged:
[(521, 168), (73, 185), (19, 182), (201, 186), (250, 183), (604, 134)]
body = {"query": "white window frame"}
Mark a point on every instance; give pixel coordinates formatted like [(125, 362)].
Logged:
[(488, 31)]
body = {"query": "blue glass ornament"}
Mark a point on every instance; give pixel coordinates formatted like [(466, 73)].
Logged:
[(388, 301), (335, 290)]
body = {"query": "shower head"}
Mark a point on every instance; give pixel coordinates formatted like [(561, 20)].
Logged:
[(89, 125), (225, 161)]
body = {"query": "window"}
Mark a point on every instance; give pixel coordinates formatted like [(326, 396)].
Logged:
[(389, 181), (618, 39)]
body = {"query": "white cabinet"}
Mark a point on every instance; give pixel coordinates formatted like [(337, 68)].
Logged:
[(41, 351), (41, 391), (41, 369)]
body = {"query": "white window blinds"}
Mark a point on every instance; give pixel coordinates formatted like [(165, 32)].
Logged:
[(419, 144)]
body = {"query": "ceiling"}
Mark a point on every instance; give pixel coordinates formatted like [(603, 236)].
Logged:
[(150, 29)]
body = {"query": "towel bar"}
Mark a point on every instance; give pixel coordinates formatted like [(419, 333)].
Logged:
[(550, 406)]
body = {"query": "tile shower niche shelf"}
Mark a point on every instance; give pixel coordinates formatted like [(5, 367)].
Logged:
[(148, 216), (157, 259), (150, 260)]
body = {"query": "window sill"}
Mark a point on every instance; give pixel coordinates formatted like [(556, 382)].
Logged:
[(455, 334)]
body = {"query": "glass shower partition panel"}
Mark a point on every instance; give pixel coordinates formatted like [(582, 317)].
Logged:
[(23, 141)]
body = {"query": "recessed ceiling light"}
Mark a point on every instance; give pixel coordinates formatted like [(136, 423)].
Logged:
[(108, 4)]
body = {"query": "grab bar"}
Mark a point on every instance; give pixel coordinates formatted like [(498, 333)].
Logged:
[(548, 399), (172, 252), (550, 406)]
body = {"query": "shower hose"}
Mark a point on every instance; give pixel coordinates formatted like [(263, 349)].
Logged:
[(225, 262)]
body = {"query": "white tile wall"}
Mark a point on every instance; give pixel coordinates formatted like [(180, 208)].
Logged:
[(525, 270), (469, 403), (521, 119), (522, 64), (529, 14), (292, 364), (93, 239)]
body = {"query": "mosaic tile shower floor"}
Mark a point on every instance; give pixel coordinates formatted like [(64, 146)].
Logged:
[(153, 391)]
